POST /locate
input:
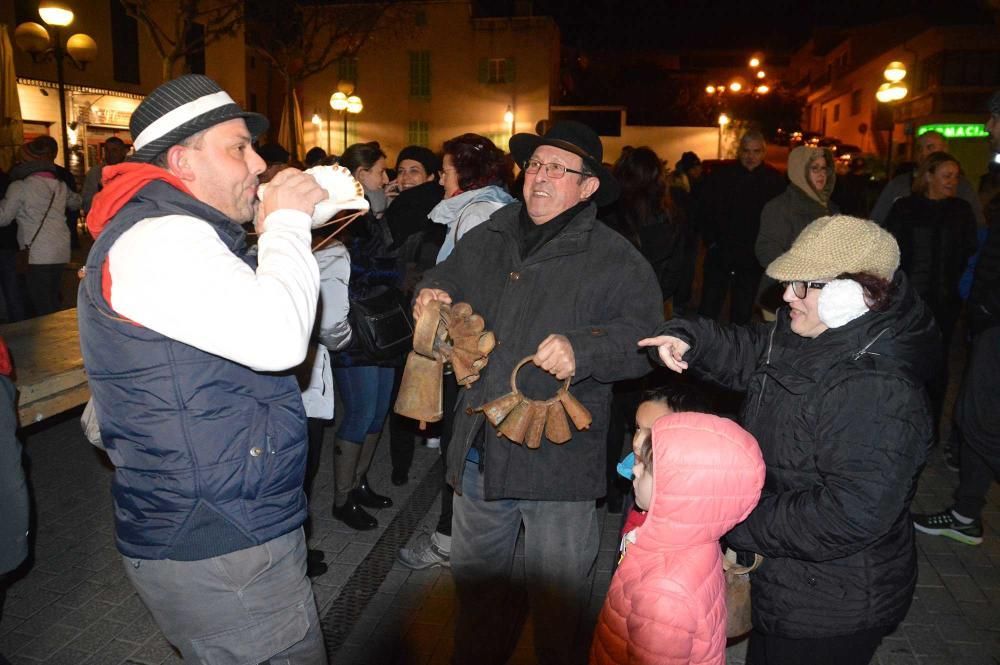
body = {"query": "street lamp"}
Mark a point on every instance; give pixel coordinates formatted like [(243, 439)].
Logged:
[(340, 101), (893, 90), (723, 121), (80, 49)]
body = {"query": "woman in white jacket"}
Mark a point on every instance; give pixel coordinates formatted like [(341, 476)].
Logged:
[(38, 202)]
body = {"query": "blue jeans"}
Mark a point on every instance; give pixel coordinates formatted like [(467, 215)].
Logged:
[(366, 393), (561, 541), (250, 606)]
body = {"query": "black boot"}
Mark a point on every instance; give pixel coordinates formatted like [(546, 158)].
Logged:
[(354, 516), (367, 497)]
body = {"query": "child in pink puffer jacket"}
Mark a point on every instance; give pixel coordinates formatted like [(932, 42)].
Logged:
[(698, 477)]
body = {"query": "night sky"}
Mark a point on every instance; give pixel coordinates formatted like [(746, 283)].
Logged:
[(774, 24)]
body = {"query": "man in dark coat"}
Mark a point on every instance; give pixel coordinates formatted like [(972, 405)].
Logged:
[(564, 291), (732, 202)]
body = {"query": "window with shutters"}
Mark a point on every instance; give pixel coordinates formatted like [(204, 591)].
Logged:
[(420, 74), (496, 70), (418, 133), (347, 70)]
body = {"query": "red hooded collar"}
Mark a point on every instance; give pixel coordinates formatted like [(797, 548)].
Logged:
[(121, 182)]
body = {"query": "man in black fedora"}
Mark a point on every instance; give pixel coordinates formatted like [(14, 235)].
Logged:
[(559, 287), (186, 339)]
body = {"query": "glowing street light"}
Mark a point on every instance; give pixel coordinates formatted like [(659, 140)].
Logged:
[(710, 89), (340, 101), (761, 74), (80, 49), (723, 121), (895, 71), (316, 120), (763, 90), (755, 62), (735, 86)]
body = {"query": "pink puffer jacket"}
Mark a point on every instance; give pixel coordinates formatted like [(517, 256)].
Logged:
[(666, 604)]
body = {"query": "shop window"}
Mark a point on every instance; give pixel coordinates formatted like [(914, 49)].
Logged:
[(856, 102)]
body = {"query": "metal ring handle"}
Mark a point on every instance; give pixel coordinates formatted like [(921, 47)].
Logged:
[(517, 368)]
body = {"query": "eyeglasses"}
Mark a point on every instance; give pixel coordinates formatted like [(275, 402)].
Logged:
[(800, 288), (552, 169)]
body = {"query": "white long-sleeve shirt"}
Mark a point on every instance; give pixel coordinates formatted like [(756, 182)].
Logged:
[(174, 275)]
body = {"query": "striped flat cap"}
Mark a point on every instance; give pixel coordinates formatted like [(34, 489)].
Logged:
[(182, 107)]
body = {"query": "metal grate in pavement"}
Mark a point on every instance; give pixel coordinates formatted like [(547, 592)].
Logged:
[(363, 584)]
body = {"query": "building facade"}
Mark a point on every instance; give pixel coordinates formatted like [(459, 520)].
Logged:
[(951, 72), (445, 72), (100, 98)]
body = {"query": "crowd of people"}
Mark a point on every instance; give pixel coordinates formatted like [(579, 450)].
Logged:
[(213, 390)]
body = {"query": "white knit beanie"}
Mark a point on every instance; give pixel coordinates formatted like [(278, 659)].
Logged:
[(837, 244)]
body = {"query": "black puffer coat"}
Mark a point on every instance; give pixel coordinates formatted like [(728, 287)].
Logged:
[(936, 239), (843, 422)]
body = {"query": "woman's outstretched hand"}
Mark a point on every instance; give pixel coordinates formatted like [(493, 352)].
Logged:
[(671, 350)]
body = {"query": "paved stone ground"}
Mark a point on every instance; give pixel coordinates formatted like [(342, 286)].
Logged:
[(75, 606)]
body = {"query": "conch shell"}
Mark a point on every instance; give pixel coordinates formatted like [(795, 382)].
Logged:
[(345, 193)]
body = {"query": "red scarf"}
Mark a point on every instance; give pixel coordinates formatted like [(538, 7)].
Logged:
[(121, 182)]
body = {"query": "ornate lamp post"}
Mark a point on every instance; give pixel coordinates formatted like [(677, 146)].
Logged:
[(80, 49), (893, 90), (346, 103)]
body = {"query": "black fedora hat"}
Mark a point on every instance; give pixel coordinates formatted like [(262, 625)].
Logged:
[(182, 107), (579, 139)]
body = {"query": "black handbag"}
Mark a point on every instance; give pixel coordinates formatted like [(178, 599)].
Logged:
[(381, 324)]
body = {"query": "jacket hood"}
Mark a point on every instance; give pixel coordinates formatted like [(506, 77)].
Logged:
[(798, 172), (121, 183), (707, 476), (447, 211)]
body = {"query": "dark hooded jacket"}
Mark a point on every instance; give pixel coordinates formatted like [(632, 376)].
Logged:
[(843, 422), (587, 283)]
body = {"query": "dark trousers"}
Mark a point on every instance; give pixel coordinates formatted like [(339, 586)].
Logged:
[(44, 283), (853, 649), (976, 475), (316, 428), (9, 285), (977, 413), (447, 427), (402, 434), (720, 278)]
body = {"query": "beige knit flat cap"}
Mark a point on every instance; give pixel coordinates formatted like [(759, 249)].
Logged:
[(837, 244)]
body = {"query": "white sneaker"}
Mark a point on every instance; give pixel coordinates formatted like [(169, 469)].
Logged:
[(426, 552), (433, 442)]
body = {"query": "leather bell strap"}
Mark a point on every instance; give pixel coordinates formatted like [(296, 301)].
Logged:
[(524, 421)]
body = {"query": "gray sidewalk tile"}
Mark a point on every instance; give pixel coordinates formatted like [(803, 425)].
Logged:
[(963, 588), (48, 643)]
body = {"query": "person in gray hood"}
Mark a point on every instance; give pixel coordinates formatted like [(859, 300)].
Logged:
[(807, 197)]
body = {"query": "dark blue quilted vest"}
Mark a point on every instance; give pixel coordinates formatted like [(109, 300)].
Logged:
[(209, 455)]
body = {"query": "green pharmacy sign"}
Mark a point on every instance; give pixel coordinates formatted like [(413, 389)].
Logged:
[(972, 131)]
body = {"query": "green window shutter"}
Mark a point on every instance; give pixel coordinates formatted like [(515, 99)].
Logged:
[(484, 70), (417, 133), (420, 74), (509, 70)]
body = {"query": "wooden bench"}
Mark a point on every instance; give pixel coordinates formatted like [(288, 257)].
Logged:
[(48, 364)]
